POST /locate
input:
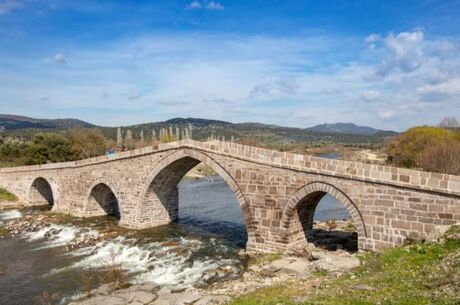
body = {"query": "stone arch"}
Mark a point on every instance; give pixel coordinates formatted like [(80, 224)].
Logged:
[(103, 199), (160, 188), (41, 192), (309, 197)]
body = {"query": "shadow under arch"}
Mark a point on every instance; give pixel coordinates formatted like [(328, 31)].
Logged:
[(307, 198), (103, 199), (160, 193), (41, 193)]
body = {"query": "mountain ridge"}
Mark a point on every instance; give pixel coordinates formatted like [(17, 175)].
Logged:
[(348, 128), (15, 122), (208, 128)]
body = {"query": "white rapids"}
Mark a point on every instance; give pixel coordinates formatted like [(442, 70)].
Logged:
[(168, 264), (173, 262), (10, 214), (56, 235)]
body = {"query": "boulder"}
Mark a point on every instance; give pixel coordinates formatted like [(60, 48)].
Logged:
[(106, 300), (185, 298)]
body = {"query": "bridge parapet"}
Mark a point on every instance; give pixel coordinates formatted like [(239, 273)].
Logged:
[(402, 177), (409, 178)]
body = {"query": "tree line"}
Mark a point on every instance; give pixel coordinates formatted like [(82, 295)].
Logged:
[(47, 147), (79, 143)]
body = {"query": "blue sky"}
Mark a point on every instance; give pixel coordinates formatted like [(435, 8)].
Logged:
[(388, 64)]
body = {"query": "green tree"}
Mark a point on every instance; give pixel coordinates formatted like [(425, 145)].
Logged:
[(87, 143), (49, 147), (431, 148)]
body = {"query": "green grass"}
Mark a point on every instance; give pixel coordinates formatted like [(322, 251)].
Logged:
[(261, 259), (410, 275), (7, 196)]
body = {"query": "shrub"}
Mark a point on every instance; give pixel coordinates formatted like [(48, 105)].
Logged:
[(443, 157), (331, 224), (48, 298), (116, 275), (87, 281), (431, 148)]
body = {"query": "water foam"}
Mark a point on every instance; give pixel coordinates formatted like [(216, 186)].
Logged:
[(11, 214), (56, 235), (168, 264)]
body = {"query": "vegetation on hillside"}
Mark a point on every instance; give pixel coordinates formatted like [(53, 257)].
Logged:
[(415, 274), (434, 149), (48, 147), (7, 196)]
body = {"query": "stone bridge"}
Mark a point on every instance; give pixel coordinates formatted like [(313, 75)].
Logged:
[(277, 191)]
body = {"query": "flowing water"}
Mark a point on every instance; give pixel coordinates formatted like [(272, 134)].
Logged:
[(208, 236)]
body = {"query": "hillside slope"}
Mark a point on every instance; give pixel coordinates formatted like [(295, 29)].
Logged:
[(16, 122), (348, 128)]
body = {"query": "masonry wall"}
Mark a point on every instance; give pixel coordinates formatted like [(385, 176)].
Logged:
[(268, 186)]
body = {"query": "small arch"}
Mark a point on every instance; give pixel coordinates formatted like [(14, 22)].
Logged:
[(41, 193), (102, 200), (305, 201), (159, 190)]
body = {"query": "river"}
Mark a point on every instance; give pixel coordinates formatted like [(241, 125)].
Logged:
[(209, 234)]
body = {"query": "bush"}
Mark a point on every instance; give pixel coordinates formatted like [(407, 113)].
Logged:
[(443, 157), (49, 147), (87, 143), (431, 148)]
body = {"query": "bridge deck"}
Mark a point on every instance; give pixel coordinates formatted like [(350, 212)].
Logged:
[(408, 178)]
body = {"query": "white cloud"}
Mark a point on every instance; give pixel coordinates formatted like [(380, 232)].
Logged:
[(404, 53), (211, 5), (281, 87), (372, 38), (370, 95), (195, 5), (282, 81), (214, 6), (450, 87), (135, 95), (59, 58)]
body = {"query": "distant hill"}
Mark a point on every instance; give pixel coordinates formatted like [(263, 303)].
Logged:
[(347, 128), (262, 133), (204, 129), (196, 122), (16, 122)]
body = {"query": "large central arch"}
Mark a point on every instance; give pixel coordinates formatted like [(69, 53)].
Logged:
[(158, 200), (305, 201)]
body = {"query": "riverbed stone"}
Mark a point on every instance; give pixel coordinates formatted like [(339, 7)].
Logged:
[(332, 262), (164, 291), (106, 300), (185, 298), (143, 297), (297, 266), (160, 301), (149, 286)]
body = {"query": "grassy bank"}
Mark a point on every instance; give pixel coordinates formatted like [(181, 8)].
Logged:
[(415, 274), (7, 196)]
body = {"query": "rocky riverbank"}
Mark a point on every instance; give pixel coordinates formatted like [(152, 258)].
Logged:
[(282, 270), (213, 284), (302, 263)]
